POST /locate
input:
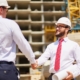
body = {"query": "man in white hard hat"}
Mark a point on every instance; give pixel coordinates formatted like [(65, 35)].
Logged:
[(10, 35), (62, 53)]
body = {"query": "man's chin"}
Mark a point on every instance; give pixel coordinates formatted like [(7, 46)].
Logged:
[(57, 35)]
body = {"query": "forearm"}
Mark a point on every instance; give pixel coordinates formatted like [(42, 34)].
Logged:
[(27, 51), (41, 60), (23, 44)]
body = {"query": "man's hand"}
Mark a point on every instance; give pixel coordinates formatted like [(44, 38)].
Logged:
[(69, 77), (35, 65)]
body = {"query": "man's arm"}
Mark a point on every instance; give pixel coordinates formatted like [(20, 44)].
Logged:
[(76, 71), (43, 58), (22, 43)]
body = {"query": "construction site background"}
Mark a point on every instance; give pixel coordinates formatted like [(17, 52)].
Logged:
[(36, 19)]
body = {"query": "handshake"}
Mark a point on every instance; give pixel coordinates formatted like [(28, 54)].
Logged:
[(35, 65)]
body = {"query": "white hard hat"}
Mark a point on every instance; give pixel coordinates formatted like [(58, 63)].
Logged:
[(4, 3), (64, 20)]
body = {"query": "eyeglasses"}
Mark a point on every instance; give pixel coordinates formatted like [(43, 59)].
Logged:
[(3, 7), (61, 26)]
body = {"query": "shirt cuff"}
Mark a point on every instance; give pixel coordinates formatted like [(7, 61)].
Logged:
[(32, 60)]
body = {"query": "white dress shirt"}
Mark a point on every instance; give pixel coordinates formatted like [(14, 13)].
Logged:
[(10, 35), (70, 52)]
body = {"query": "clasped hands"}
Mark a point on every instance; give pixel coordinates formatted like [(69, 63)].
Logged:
[(35, 65)]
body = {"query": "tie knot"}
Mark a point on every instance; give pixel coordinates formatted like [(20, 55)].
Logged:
[(61, 40)]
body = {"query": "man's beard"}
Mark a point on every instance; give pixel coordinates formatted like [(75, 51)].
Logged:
[(60, 34)]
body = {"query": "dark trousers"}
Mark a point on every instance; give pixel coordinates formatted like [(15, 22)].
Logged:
[(50, 77), (8, 71)]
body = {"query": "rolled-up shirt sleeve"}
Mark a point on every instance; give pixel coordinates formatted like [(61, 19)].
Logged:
[(22, 43)]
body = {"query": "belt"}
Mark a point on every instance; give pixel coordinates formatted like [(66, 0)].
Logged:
[(6, 62)]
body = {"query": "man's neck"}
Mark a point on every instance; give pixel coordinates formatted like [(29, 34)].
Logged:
[(62, 37)]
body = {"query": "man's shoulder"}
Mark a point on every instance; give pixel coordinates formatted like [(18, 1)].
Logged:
[(9, 21), (53, 43), (73, 42)]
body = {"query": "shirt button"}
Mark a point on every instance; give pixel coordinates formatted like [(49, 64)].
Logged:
[(4, 71)]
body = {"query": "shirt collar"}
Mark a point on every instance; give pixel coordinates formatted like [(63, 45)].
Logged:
[(65, 39)]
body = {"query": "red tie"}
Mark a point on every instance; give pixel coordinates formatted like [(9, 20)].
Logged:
[(57, 59)]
